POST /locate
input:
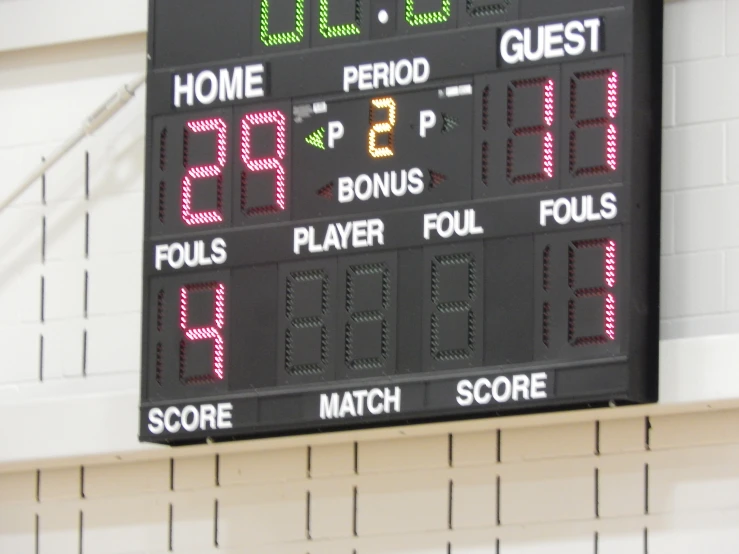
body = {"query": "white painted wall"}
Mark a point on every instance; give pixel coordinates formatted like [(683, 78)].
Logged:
[(69, 379), (32, 23)]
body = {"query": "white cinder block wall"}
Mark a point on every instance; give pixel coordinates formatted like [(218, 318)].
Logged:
[(73, 479)]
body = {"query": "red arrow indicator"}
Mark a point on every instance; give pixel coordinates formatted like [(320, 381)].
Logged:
[(326, 192), (435, 179)]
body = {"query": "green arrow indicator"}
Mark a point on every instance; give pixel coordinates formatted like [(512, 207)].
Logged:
[(450, 123), (316, 138)]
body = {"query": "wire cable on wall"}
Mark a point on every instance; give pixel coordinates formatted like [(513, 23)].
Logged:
[(92, 123)]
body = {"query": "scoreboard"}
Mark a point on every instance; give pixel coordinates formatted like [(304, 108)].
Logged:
[(374, 212)]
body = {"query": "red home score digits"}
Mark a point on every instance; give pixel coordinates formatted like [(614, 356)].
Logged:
[(267, 163), (214, 172), (363, 212), (205, 172)]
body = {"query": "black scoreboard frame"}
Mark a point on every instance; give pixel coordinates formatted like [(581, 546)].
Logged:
[(626, 374)]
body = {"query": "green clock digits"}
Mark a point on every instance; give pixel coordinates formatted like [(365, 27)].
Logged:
[(289, 37), (429, 18)]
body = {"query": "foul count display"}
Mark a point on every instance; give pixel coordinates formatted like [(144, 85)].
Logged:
[(371, 212)]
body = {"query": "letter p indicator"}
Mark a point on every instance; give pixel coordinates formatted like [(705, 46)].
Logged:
[(335, 132), (428, 121)]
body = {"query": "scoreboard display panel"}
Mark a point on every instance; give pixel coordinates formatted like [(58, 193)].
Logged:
[(375, 212)]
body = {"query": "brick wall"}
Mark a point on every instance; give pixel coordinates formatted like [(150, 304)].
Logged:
[(663, 485), (701, 171)]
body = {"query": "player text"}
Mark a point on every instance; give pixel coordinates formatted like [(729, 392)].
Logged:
[(339, 236)]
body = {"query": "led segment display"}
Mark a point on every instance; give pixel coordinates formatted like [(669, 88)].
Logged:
[(268, 15), (368, 212)]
